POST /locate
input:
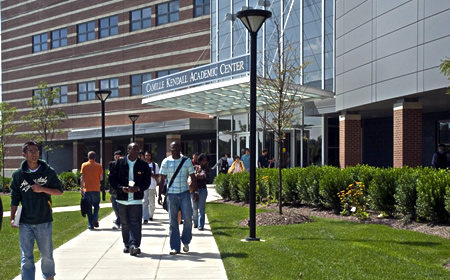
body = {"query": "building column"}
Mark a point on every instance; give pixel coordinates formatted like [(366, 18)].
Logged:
[(78, 155), (349, 140), (169, 139), (407, 134)]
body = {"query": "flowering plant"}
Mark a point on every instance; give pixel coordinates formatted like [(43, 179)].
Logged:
[(353, 201)]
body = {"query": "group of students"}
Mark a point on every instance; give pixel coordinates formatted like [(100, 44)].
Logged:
[(133, 194)]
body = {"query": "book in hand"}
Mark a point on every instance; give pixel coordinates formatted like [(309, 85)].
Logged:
[(17, 217)]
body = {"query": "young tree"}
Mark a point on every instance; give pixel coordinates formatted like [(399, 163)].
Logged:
[(281, 95), (445, 69), (7, 130), (44, 118)]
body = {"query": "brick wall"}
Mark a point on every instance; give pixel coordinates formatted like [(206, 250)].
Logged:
[(407, 134), (349, 140)]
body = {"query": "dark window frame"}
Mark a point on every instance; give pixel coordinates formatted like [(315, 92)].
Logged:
[(63, 95), (168, 14), (40, 43), (135, 86), (142, 20), (90, 94), (114, 90), (86, 33), (61, 40), (202, 5), (111, 29)]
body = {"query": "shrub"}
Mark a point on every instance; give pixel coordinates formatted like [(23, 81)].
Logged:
[(333, 181), (290, 178), (309, 184), (431, 192), (222, 187), (69, 181), (5, 188), (267, 185), (382, 190), (353, 200), (243, 185), (233, 182), (406, 190)]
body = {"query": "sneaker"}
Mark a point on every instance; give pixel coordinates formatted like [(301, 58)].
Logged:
[(195, 226), (145, 222), (151, 219), (200, 228), (91, 228), (174, 252), (96, 224), (126, 250), (185, 248), (116, 227), (134, 250)]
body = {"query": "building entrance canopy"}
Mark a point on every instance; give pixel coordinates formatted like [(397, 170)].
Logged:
[(219, 93)]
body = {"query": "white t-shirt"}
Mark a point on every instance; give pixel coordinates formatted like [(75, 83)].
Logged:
[(155, 170)]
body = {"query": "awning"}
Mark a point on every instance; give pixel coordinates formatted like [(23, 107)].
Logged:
[(223, 98)]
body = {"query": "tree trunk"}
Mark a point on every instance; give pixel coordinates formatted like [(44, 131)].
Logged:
[(280, 181)]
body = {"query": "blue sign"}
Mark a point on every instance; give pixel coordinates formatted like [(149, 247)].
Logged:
[(199, 75)]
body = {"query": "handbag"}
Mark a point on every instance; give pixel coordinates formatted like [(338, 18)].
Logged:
[(166, 188), (84, 206)]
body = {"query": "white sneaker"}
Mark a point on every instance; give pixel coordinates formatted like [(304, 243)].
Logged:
[(173, 252), (185, 248)]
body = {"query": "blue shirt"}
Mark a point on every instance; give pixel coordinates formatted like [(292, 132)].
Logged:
[(246, 160), (168, 168)]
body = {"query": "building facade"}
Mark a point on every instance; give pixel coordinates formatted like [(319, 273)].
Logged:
[(84, 46)]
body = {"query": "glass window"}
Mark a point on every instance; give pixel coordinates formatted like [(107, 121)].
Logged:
[(86, 91), (166, 72), (62, 94), (201, 7), (86, 31), (141, 18), (444, 132), (167, 12), (112, 85), (136, 82), (109, 26), (59, 38), (40, 42)]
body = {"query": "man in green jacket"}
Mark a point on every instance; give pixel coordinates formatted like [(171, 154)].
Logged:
[(32, 186)]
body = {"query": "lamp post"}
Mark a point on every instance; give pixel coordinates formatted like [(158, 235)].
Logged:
[(253, 20), (133, 119), (102, 95)]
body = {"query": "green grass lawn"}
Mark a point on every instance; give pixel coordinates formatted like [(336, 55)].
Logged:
[(66, 225), (67, 199), (325, 249)]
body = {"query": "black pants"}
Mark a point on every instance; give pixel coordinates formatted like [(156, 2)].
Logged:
[(131, 219)]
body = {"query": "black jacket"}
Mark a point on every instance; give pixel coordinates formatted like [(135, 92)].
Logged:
[(118, 177)]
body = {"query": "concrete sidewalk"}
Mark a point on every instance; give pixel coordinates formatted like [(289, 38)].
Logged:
[(98, 254)]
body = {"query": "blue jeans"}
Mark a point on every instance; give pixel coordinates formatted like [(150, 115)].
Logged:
[(115, 207), (42, 233), (131, 217), (93, 200), (199, 206), (180, 201)]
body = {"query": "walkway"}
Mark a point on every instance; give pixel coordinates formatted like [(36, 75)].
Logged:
[(98, 254)]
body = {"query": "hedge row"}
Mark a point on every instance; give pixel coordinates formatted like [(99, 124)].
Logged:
[(413, 192)]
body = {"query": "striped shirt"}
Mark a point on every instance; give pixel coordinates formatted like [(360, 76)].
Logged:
[(168, 168)]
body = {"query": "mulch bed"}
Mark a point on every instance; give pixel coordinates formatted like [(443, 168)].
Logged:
[(301, 214)]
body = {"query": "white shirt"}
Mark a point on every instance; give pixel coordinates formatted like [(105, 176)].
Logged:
[(155, 170)]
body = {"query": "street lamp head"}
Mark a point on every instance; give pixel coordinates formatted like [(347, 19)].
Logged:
[(133, 118), (253, 19), (102, 94)]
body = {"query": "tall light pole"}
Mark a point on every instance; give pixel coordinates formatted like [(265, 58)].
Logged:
[(102, 95), (133, 119), (253, 20)]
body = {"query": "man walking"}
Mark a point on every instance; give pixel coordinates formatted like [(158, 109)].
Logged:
[(91, 175), (130, 177), (246, 159), (115, 207), (32, 185), (150, 194), (178, 196)]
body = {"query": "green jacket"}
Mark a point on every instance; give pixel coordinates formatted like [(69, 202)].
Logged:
[(36, 207)]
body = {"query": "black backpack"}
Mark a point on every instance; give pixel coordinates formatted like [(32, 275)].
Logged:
[(223, 165)]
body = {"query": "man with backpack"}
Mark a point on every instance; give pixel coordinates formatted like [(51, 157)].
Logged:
[(222, 164)]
